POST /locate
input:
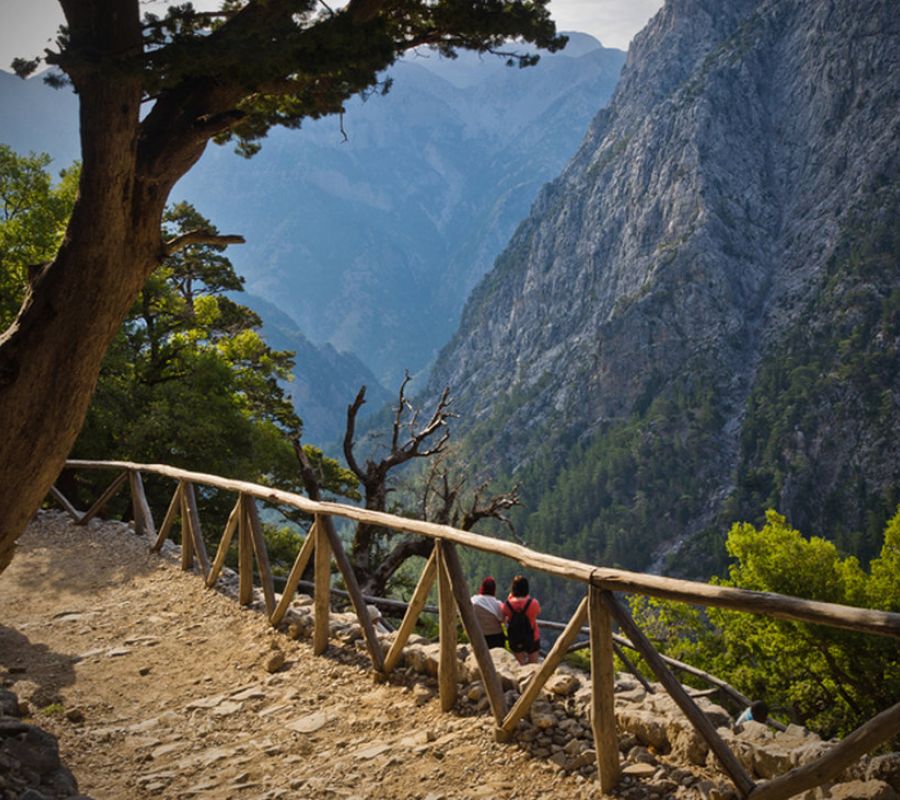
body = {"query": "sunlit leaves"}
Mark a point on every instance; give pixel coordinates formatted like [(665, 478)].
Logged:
[(828, 679), (33, 216)]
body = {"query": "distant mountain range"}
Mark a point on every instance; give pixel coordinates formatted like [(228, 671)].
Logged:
[(369, 245), (372, 243), (700, 318)]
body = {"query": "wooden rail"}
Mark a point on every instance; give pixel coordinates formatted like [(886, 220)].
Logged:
[(600, 606)]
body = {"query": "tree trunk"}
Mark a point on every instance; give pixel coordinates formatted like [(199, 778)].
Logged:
[(50, 357)]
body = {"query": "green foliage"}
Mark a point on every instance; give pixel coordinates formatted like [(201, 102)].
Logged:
[(277, 63), (33, 217), (189, 382), (830, 390), (827, 679)]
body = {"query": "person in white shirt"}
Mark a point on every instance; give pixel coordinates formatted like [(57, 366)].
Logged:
[(489, 613)]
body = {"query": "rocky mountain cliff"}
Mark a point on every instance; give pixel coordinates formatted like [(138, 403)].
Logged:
[(701, 316)]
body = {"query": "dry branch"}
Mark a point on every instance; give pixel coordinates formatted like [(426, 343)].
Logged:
[(199, 236)]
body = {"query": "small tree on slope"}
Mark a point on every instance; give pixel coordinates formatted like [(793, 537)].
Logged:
[(152, 93)]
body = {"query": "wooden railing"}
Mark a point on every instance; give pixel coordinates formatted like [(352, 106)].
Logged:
[(600, 608)]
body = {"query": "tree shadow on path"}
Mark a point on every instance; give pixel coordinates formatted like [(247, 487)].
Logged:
[(37, 666)]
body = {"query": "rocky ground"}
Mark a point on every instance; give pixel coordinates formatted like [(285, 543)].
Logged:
[(158, 687)]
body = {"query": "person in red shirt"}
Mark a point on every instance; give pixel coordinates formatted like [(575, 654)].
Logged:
[(521, 612)]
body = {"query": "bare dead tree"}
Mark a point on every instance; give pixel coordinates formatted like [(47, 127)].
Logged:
[(410, 439), (442, 501), (311, 479), (376, 554)]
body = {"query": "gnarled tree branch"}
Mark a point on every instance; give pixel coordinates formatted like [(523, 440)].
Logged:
[(199, 236)]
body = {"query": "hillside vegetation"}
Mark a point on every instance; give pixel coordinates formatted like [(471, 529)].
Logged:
[(698, 320)]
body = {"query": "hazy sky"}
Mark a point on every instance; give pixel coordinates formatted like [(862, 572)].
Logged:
[(26, 26)]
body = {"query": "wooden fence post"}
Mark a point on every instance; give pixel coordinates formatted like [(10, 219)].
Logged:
[(447, 666), (322, 599), (189, 499), (169, 519), (603, 676), (60, 498), (261, 553), (143, 517), (245, 556), (187, 539), (416, 604), (551, 662), (356, 595), (224, 543), (476, 637), (296, 573), (742, 781), (103, 499)]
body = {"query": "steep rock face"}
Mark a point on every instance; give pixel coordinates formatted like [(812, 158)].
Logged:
[(690, 240)]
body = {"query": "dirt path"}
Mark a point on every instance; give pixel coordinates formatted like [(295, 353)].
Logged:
[(171, 681)]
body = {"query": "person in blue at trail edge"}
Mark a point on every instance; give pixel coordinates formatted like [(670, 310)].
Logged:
[(758, 712)]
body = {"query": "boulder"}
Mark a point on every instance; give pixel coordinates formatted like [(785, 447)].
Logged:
[(647, 726), (863, 790), (772, 759), (562, 684), (885, 768), (33, 757), (274, 661), (542, 716), (424, 659), (525, 674), (504, 662), (639, 770), (688, 746), (755, 731), (9, 704), (635, 694), (715, 713)]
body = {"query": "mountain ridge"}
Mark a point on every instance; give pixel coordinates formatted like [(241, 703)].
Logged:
[(616, 342), (370, 245), (414, 205)]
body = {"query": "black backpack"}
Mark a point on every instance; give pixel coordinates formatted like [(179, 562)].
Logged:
[(519, 631)]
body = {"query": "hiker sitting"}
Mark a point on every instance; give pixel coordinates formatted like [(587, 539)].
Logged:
[(489, 613), (757, 712), (521, 613)]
